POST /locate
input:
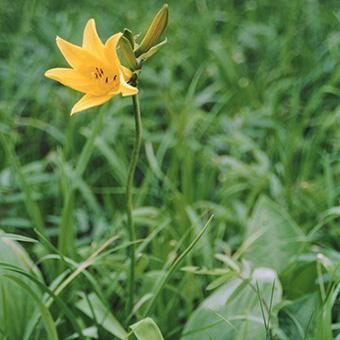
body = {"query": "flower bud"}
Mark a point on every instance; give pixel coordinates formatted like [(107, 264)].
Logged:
[(129, 36), (155, 30), (128, 54)]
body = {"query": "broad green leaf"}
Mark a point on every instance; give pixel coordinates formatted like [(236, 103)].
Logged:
[(307, 318), (277, 237), (92, 305), (146, 329), (299, 278), (16, 301), (233, 311), (49, 324)]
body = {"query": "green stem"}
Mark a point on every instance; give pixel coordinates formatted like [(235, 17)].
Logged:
[(129, 206)]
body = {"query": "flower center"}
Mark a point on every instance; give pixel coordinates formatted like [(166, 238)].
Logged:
[(106, 80)]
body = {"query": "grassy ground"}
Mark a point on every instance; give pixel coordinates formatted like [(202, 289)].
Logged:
[(241, 121)]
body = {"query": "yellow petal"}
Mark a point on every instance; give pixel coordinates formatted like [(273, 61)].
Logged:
[(71, 78), (91, 40), (76, 56), (126, 73), (125, 89), (110, 49), (89, 101)]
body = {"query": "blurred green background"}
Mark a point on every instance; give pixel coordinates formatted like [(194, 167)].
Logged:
[(241, 120)]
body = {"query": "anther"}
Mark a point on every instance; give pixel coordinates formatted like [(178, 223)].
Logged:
[(102, 72), (115, 77), (106, 80)]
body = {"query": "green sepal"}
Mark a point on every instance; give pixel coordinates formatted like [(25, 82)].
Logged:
[(153, 50)]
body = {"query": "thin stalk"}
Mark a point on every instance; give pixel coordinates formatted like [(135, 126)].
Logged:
[(129, 205)]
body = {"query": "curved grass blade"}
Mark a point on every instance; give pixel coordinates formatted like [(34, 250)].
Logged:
[(66, 244), (32, 207), (161, 283)]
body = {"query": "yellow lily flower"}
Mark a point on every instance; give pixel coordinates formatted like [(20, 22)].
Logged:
[(96, 70)]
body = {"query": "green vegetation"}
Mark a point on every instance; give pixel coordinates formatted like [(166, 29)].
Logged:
[(237, 190)]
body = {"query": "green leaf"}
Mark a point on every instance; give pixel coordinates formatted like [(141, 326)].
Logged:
[(50, 325), (307, 318), (66, 242), (233, 311), (220, 280), (16, 237), (153, 50), (33, 209), (278, 238), (172, 268), (299, 278), (146, 329), (96, 310)]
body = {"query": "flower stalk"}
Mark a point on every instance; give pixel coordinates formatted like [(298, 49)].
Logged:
[(134, 55), (129, 203), (97, 72)]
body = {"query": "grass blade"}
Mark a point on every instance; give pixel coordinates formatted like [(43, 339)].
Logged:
[(159, 286)]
